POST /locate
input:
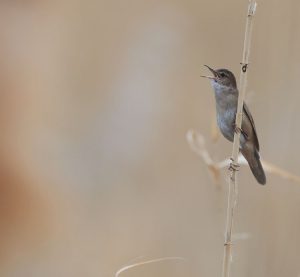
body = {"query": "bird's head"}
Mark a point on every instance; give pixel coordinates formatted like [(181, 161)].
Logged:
[(222, 77)]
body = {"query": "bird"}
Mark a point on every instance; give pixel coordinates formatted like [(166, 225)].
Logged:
[(226, 95)]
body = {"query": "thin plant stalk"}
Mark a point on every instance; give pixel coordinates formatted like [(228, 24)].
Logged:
[(233, 184)]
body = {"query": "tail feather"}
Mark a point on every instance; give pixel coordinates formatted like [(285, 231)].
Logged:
[(256, 166), (258, 172)]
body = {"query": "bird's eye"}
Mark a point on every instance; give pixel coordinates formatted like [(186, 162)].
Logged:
[(222, 74)]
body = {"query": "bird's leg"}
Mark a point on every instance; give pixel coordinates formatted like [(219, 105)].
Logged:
[(234, 166)]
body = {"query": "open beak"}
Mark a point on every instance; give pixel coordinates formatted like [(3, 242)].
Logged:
[(213, 72)]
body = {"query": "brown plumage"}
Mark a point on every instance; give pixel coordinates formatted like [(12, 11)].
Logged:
[(226, 94)]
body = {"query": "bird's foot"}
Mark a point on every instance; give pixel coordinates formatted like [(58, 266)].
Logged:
[(237, 129), (233, 166)]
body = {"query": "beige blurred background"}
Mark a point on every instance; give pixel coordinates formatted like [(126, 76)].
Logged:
[(96, 173)]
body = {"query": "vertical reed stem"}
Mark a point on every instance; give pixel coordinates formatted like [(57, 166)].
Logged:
[(233, 184)]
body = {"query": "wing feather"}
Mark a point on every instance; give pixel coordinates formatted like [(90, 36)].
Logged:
[(249, 116)]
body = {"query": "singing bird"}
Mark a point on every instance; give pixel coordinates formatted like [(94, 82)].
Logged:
[(226, 95)]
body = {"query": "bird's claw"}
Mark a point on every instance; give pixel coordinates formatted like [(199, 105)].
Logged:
[(233, 166), (240, 130), (237, 129)]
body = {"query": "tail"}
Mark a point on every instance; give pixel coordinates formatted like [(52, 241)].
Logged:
[(255, 166)]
